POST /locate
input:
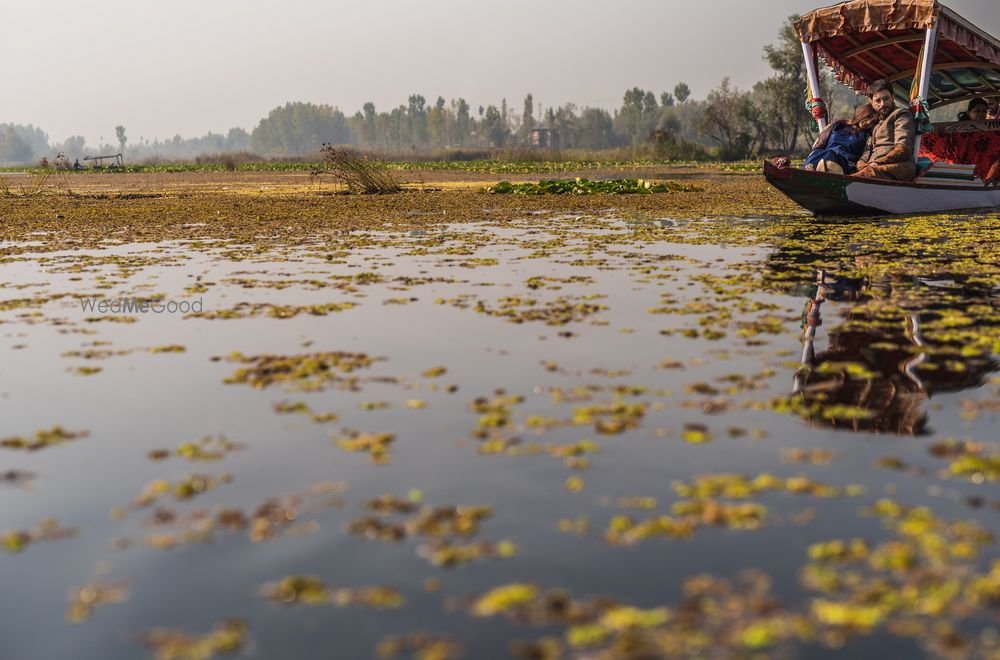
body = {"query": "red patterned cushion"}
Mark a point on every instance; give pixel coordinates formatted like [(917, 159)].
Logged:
[(981, 149)]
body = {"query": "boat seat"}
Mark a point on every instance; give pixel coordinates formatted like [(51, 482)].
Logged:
[(979, 149), (947, 174)]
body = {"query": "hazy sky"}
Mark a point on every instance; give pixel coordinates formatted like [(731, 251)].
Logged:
[(163, 67)]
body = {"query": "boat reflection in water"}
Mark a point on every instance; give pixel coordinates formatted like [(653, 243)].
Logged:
[(889, 356)]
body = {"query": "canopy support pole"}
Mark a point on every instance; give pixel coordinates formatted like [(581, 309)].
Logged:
[(813, 77), (926, 68)]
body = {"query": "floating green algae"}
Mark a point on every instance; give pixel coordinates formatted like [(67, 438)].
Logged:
[(581, 186)]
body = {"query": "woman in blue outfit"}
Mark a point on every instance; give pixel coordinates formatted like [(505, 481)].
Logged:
[(839, 147)]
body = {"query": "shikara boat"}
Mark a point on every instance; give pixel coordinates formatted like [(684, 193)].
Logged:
[(933, 58)]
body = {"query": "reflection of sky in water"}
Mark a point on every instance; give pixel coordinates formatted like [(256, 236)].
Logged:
[(142, 401)]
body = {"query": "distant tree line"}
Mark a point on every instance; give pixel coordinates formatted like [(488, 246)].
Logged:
[(728, 124), (22, 144)]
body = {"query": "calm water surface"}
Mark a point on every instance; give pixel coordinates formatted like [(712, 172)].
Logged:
[(707, 339)]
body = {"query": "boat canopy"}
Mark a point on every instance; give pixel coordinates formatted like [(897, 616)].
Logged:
[(866, 40)]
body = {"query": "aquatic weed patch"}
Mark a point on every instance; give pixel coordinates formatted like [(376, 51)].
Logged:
[(736, 618), (168, 528), (85, 600), (209, 448), (443, 529), (250, 310), (310, 590), (306, 372), (227, 638), (43, 439), (48, 530), (581, 186)]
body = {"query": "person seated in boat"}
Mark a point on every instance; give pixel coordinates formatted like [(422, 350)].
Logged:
[(976, 111), (889, 152), (980, 148), (986, 150), (839, 147)]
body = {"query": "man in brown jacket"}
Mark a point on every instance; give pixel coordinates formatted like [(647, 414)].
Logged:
[(889, 154)]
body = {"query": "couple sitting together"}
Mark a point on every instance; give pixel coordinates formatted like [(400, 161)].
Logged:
[(877, 142)]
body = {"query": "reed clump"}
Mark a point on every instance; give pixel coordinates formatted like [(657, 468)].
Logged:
[(359, 172), (35, 186)]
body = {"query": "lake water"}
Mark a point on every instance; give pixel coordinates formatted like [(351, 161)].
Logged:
[(571, 376)]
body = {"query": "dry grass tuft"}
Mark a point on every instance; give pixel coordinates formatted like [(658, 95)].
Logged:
[(360, 173), (35, 187)]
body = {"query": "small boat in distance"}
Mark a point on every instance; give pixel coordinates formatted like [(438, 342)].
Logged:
[(932, 57)]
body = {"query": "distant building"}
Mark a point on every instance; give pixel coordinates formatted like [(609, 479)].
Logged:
[(545, 136)]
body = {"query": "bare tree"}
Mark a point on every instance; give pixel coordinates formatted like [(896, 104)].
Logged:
[(122, 139)]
